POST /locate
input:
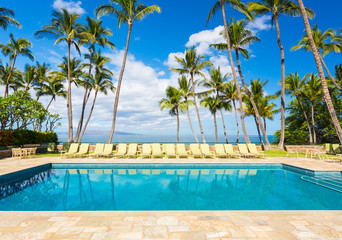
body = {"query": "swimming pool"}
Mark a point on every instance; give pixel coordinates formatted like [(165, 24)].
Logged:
[(123, 187)]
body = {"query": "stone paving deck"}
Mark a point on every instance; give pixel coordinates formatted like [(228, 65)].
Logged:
[(171, 224)]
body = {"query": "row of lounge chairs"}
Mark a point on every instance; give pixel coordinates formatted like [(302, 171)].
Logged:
[(157, 150)]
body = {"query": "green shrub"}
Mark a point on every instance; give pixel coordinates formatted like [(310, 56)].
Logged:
[(21, 137)]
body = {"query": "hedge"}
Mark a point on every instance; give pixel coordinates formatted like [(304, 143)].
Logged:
[(21, 137)]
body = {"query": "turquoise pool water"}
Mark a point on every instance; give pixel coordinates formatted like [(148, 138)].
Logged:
[(70, 187)]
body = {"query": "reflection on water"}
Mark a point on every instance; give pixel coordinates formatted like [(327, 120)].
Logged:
[(167, 189)]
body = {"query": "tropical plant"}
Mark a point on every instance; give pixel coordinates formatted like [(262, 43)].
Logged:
[(76, 71), (28, 78), (15, 48), (64, 28), (127, 11), (277, 8), (192, 64), (52, 87), (4, 73), (7, 18), (212, 104), (42, 76), (338, 74)]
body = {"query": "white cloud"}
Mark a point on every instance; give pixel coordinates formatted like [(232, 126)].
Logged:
[(171, 60), (260, 24), (71, 6)]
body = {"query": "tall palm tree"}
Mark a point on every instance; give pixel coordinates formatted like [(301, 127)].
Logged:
[(76, 71), (185, 86), (241, 7), (28, 78), (212, 104), (317, 58), (64, 28), (294, 87), (7, 18), (101, 83), (277, 8), (127, 11), (192, 64), (173, 102), (43, 71), (15, 48), (4, 72), (91, 35), (324, 46), (52, 87)]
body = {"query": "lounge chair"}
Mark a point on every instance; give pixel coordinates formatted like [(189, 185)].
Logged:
[(244, 151), (72, 150), (122, 150), (156, 151), (146, 151), (219, 151), (170, 151), (181, 151), (108, 150), (132, 150), (196, 151), (98, 150), (206, 151), (230, 151), (327, 147), (252, 149), (336, 148), (84, 150)]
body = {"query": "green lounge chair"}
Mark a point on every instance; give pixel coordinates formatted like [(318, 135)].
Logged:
[(170, 151), (336, 148), (146, 151), (108, 150), (72, 150), (84, 150), (132, 150), (181, 151), (219, 151), (156, 151), (206, 151), (252, 149), (195, 151), (98, 150), (244, 151), (122, 150), (230, 151)]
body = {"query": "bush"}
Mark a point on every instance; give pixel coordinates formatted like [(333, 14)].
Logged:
[(21, 137)]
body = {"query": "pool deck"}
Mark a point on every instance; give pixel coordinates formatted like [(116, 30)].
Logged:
[(196, 225)]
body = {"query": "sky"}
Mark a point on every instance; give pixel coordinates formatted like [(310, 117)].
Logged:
[(155, 42)]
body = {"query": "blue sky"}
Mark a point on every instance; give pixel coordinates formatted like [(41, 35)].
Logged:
[(154, 43)]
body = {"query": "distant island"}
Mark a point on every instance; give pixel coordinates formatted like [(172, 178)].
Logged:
[(99, 132)]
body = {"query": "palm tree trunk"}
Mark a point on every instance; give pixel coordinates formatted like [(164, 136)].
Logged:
[(234, 73), (177, 125), (325, 89), (282, 98), (10, 75), (237, 123), (255, 108), (116, 102), (47, 107), (313, 122), (192, 129), (215, 127), (224, 126), (88, 119), (329, 74), (195, 103), (258, 128), (69, 103), (306, 118), (264, 123)]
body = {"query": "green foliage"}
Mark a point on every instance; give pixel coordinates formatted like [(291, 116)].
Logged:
[(25, 136)]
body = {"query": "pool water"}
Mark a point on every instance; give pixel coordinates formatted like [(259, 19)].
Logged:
[(63, 187)]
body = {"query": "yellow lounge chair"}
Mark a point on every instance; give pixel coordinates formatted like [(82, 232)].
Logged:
[(230, 151), (146, 151), (219, 151), (195, 151), (336, 148), (181, 151), (132, 150), (244, 151), (72, 150), (252, 149), (108, 150), (122, 150), (206, 151), (156, 151), (98, 150), (84, 150), (170, 151)]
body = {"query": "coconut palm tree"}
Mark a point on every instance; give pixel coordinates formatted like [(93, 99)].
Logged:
[(173, 102), (267, 110), (241, 7), (324, 46), (15, 48), (7, 18), (43, 71), (294, 87), (28, 78), (184, 85), (277, 8), (338, 73), (52, 87), (317, 58), (192, 64), (64, 28), (212, 104), (91, 35), (76, 71), (127, 11)]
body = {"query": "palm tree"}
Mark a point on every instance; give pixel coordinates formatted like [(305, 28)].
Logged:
[(241, 7), (294, 87), (317, 58), (76, 71), (102, 83), (90, 35), (28, 78), (42, 75), (192, 64), (52, 87), (267, 110), (277, 8), (213, 104), (4, 72), (338, 73), (64, 28), (127, 11), (324, 47), (7, 18), (13, 49), (185, 86), (174, 104)]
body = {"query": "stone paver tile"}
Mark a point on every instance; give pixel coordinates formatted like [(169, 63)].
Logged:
[(96, 229), (179, 228), (167, 221), (241, 232), (243, 221), (281, 225), (213, 235), (85, 235), (201, 226), (155, 232), (100, 236), (325, 231), (70, 230), (260, 228), (130, 235), (192, 236), (11, 229)]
